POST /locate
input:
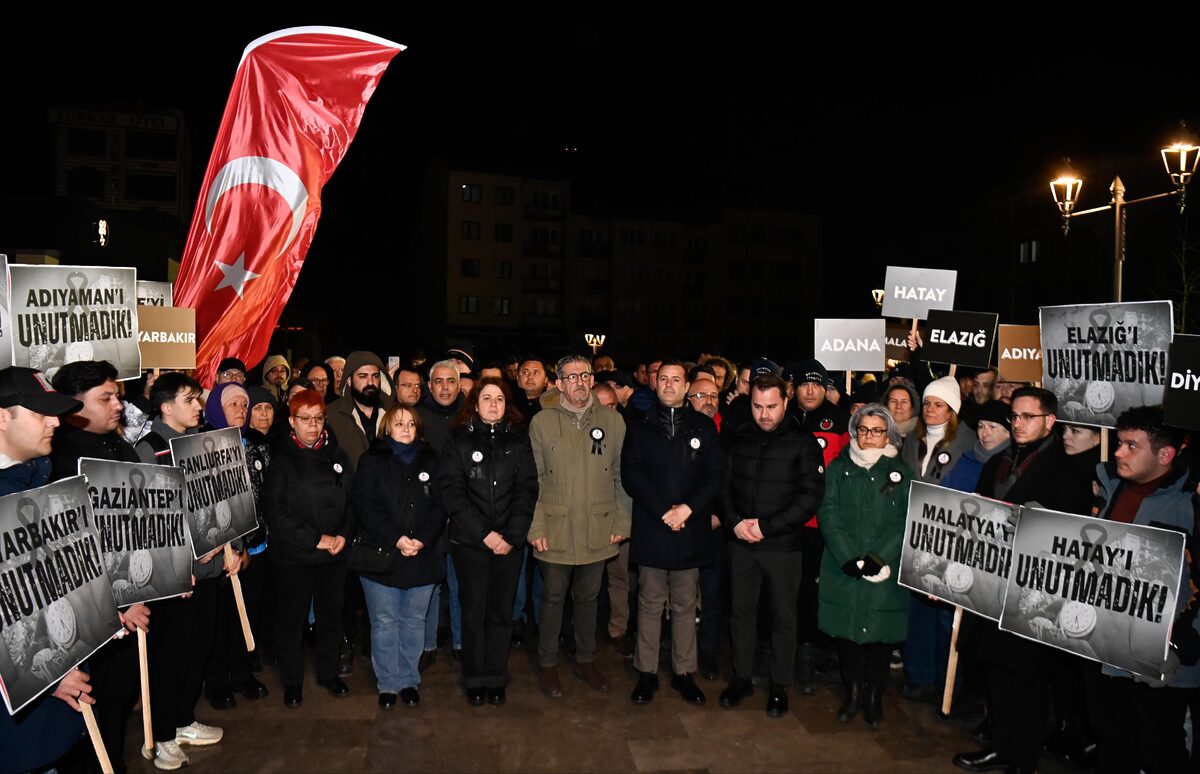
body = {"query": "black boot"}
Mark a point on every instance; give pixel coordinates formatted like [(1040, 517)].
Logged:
[(852, 704), (873, 713), (806, 670), (346, 658)]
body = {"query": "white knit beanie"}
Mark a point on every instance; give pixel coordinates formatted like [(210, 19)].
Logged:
[(945, 389)]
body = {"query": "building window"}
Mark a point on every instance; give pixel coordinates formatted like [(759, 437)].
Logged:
[(1029, 251), (469, 267), (470, 229), (468, 304), (545, 200), (504, 232), (154, 146), (85, 183), (504, 194), (545, 236), (737, 233), (758, 234), (154, 188), (501, 306), (472, 193), (546, 307), (86, 142), (502, 269)]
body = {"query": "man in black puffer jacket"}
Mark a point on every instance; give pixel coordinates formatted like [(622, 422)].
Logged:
[(774, 483)]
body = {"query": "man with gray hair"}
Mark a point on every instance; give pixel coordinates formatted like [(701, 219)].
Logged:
[(579, 518), (338, 364)]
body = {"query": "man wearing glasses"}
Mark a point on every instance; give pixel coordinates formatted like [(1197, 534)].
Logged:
[(579, 518), (1034, 469), (276, 372), (231, 369)]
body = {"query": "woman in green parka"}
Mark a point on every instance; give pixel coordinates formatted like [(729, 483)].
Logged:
[(862, 521)]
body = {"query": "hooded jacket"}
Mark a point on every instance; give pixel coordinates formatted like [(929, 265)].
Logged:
[(345, 422), (580, 496)]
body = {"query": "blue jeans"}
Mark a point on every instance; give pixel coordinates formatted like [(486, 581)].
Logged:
[(397, 633), (431, 618), (927, 648), (455, 605), (519, 602)]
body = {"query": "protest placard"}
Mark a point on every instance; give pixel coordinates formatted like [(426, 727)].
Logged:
[(911, 293), (1020, 358), (897, 341), (957, 547), (150, 293), (1102, 359), (167, 336), (139, 514), (1100, 589), (1181, 399), (61, 314), (850, 345), (5, 319), (960, 338), (56, 602), (217, 499)]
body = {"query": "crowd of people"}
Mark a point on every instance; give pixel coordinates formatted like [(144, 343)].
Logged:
[(758, 508)]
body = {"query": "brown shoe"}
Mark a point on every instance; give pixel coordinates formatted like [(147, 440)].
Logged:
[(548, 682), (622, 645), (590, 675)]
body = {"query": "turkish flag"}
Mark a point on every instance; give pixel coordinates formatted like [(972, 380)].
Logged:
[(297, 99)]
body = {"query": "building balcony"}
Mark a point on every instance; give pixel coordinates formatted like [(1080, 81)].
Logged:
[(543, 249), (541, 321), (540, 285), (534, 212), (595, 249), (695, 255), (592, 321)]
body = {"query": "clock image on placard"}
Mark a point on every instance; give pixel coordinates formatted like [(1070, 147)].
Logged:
[(224, 516), (60, 623), (1077, 619), (959, 577), (1099, 396), (140, 567)]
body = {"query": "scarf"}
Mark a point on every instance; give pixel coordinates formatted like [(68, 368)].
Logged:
[(866, 458), (406, 452), (577, 414), (319, 443), (906, 426)]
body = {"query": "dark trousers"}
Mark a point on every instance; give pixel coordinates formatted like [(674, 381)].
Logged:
[(864, 662), (230, 662), (1018, 707), (295, 586), (1136, 726), (747, 569), (584, 581), (178, 647), (115, 687), (487, 585), (812, 545), (714, 596)]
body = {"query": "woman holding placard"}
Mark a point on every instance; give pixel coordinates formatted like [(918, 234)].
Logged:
[(862, 522)]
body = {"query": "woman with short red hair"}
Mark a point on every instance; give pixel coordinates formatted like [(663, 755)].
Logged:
[(307, 506)]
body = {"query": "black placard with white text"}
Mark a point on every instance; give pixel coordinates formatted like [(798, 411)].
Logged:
[(1181, 398), (961, 338)]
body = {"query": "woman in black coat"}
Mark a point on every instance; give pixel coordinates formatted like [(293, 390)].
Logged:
[(489, 486), (307, 506), (396, 502)]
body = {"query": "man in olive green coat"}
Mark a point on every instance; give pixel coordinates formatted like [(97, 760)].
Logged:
[(579, 518)]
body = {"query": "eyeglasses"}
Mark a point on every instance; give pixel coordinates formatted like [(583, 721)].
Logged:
[(319, 381), (311, 419), (872, 432), (1014, 418), (279, 370), (706, 395), (233, 376), (585, 376)]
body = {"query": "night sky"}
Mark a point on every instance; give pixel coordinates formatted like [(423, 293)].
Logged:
[(878, 131)]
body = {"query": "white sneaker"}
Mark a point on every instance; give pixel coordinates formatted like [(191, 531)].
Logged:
[(168, 756), (198, 734)]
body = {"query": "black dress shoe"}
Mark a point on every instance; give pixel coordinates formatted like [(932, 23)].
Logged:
[(346, 658), (253, 689), (335, 686), (686, 686), (496, 696), (984, 760), (222, 700), (293, 695), (410, 697), (733, 694), (925, 694), (387, 700), (710, 667), (517, 641), (777, 701), (643, 692), (476, 696)]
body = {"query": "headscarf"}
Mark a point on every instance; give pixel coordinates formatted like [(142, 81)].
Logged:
[(214, 407)]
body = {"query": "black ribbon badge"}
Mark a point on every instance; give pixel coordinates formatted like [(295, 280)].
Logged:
[(597, 438)]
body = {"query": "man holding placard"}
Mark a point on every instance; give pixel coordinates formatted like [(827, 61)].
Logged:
[(29, 413), (1139, 722)]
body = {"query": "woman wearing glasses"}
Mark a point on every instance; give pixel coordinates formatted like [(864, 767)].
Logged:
[(307, 505), (862, 522), (489, 485)]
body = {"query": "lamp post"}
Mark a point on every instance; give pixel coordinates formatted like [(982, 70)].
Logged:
[(1179, 158), (595, 341)]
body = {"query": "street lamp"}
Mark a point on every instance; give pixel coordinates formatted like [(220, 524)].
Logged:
[(877, 297), (595, 341), (1180, 160)]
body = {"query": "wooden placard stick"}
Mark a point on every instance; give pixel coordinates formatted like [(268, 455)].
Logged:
[(89, 719), (952, 663), (230, 558), (147, 722)]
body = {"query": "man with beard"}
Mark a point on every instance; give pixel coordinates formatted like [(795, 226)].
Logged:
[(355, 422), (578, 520), (276, 373)]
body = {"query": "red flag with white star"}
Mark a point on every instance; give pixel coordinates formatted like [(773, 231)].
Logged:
[(297, 100)]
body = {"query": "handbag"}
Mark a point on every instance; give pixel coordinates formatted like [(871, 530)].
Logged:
[(364, 557)]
